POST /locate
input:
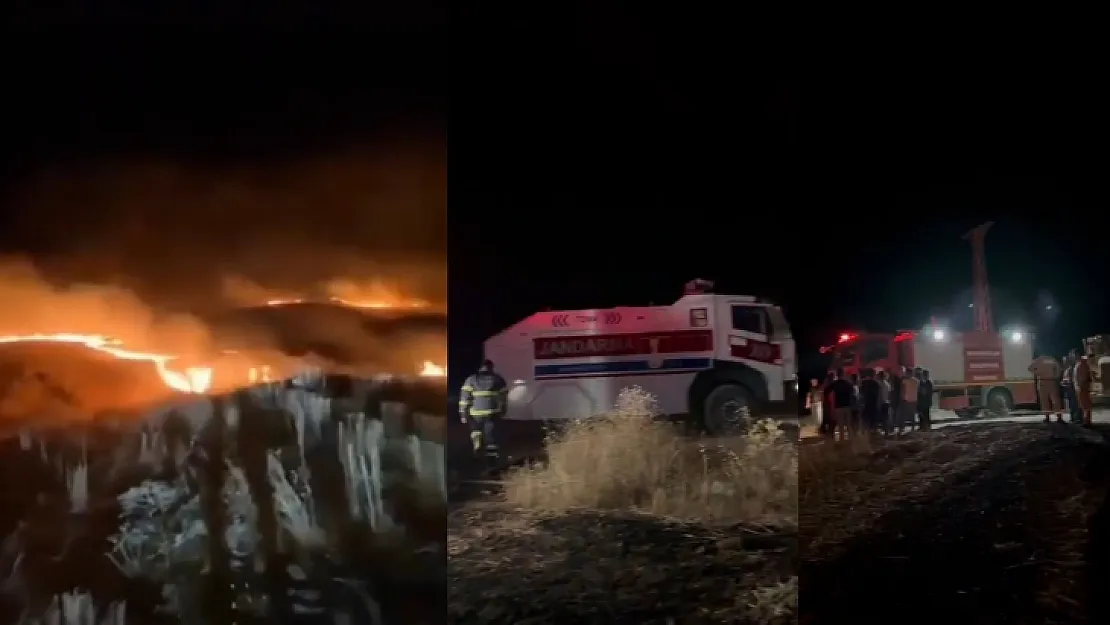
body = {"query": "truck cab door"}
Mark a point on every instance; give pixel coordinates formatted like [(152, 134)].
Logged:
[(750, 337), (748, 329), (781, 335)]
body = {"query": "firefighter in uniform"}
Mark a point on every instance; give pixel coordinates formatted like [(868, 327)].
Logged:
[(481, 403), (1047, 372)]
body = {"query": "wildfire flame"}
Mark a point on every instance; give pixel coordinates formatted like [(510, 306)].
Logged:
[(373, 304), (191, 380), (432, 370), (384, 302)]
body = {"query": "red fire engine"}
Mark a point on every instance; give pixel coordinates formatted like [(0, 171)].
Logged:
[(969, 370), (978, 369)]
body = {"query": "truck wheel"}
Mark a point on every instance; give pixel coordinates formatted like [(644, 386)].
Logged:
[(727, 409), (999, 401)]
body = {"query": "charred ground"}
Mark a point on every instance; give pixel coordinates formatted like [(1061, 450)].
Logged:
[(589, 537), (999, 523)]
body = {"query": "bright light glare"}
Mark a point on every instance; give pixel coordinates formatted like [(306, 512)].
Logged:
[(938, 335), (1017, 337)]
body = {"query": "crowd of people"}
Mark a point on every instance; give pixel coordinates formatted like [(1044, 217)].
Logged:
[(876, 402), (1064, 387)]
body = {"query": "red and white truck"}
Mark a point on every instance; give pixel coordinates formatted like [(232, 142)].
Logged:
[(970, 370), (704, 358)]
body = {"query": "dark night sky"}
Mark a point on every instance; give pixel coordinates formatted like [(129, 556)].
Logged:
[(597, 157), (629, 157), (171, 145)]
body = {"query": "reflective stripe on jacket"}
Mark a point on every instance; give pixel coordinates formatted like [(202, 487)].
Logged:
[(483, 394)]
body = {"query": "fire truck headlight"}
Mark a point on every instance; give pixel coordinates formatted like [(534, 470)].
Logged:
[(1016, 337), (938, 335)]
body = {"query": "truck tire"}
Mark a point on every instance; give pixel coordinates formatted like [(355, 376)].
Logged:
[(999, 401), (726, 410)]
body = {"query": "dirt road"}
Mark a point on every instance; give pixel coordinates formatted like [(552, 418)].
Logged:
[(981, 524)]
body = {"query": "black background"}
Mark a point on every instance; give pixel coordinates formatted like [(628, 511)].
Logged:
[(619, 153)]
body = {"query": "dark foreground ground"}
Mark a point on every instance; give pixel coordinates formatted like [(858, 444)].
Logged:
[(514, 566), (987, 524)]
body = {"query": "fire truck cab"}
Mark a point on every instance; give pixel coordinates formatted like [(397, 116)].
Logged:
[(970, 370), (707, 357)]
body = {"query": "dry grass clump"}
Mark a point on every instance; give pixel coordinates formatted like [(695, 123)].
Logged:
[(629, 460), (771, 603)]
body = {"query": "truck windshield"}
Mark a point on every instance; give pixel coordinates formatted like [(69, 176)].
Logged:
[(779, 328), (844, 357)]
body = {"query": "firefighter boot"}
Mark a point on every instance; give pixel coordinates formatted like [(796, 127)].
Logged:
[(492, 451), (492, 458), (476, 443)]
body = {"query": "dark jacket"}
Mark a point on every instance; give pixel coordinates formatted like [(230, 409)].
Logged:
[(483, 394), (925, 394), (843, 394), (869, 395)]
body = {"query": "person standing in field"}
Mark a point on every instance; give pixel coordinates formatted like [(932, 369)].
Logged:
[(854, 424), (895, 395), (1067, 385), (813, 400), (842, 396), (870, 399), (1046, 370), (1083, 379), (925, 401), (828, 414), (884, 397), (907, 406), (915, 423)]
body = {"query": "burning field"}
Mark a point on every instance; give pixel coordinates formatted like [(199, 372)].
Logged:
[(983, 523), (307, 435), (53, 339)]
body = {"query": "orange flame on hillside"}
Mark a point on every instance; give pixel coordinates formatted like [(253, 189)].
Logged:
[(191, 380), (377, 297), (371, 304), (353, 293), (432, 370)]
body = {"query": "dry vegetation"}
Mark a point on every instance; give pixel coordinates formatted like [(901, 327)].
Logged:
[(991, 523), (337, 502), (629, 518)]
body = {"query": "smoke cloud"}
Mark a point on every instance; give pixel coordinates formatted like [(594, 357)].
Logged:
[(150, 252), (175, 232)]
